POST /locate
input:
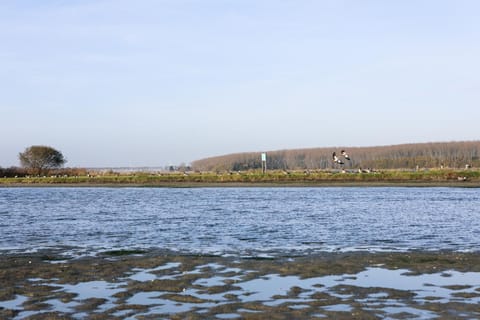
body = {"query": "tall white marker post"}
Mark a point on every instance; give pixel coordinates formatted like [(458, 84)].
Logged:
[(264, 162)]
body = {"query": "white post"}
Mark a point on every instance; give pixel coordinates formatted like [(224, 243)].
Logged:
[(264, 162)]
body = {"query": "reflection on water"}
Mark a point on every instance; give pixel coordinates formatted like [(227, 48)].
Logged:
[(14, 304), (94, 290), (389, 292)]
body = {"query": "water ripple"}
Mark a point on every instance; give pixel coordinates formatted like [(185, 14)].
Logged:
[(239, 220)]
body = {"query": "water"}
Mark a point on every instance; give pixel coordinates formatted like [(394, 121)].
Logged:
[(272, 290), (240, 221)]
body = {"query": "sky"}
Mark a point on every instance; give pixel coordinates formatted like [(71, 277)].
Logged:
[(118, 83)]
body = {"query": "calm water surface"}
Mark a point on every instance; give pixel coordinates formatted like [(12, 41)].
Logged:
[(240, 221)]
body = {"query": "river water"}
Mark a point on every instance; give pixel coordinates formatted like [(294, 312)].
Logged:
[(240, 221)]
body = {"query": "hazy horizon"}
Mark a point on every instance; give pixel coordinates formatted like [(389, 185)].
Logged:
[(117, 83)]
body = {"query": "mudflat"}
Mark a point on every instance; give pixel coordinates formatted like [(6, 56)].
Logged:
[(169, 285)]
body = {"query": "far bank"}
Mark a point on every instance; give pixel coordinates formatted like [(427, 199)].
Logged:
[(424, 178)]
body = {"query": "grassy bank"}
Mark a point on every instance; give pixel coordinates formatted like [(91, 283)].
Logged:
[(388, 177)]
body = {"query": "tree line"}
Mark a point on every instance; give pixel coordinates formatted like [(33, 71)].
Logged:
[(44, 160), (405, 156)]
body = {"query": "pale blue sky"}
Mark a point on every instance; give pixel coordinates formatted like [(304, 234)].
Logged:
[(152, 82)]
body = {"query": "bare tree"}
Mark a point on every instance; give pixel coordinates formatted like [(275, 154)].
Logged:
[(41, 158)]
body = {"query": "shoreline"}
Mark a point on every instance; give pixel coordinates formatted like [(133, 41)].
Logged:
[(283, 184), (424, 178), (159, 284)]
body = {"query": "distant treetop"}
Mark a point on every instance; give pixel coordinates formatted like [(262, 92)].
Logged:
[(40, 158)]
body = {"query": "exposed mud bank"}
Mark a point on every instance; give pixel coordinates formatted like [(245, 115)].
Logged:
[(153, 285)]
